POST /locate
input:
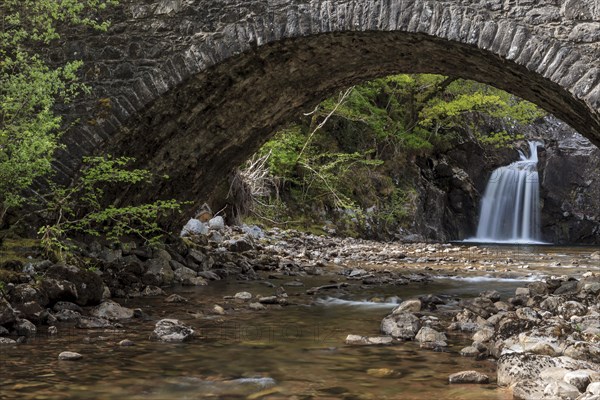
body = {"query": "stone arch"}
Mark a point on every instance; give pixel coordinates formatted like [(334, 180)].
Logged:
[(194, 87)]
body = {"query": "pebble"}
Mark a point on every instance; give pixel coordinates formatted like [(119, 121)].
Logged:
[(126, 343)]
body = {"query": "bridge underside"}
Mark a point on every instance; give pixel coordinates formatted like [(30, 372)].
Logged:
[(198, 132)]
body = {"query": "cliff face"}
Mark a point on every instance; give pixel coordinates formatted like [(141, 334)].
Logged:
[(570, 185), (451, 184)]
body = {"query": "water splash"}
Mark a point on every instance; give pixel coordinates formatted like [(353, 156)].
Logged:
[(510, 207)]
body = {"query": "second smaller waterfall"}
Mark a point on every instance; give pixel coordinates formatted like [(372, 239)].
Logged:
[(510, 210)]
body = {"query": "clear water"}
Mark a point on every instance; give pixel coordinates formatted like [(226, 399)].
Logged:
[(296, 351)]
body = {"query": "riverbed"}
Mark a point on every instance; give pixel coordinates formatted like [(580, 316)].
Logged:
[(293, 351)]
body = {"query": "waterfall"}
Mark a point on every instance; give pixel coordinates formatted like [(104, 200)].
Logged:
[(510, 209)]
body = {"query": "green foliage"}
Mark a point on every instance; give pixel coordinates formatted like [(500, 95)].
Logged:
[(343, 154), (79, 208), (30, 89)]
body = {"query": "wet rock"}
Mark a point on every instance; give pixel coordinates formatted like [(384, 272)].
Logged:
[(368, 340), (493, 295), (272, 300), (256, 307), (66, 305), (32, 311), (66, 315), (126, 343), (69, 356), (52, 330), (209, 275), (402, 326), (24, 327), (468, 377), (408, 306), (151, 290), (217, 309), (430, 338), (383, 372), (187, 277), (88, 285), (175, 298), (59, 290), (93, 323), (158, 273), (25, 293), (7, 341), (469, 351), (7, 313), (112, 311), (245, 296), (172, 330)]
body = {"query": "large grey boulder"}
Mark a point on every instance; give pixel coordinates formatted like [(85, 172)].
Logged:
[(402, 326), (112, 311)]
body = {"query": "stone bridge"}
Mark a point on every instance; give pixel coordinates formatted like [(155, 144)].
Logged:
[(191, 88)]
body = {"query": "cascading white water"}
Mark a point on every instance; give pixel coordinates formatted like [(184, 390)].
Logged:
[(510, 209)]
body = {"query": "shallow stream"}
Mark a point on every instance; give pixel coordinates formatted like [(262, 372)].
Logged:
[(296, 351)]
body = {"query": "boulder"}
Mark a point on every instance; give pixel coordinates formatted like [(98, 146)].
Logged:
[(402, 326), (572, 308), (112, 311), (244, 296), (217, 223), (24, 327), (194, 227), (430, 338), (7, 313), (560, 390), (187, 277), (485, 334), (89, 286), (408, 306), (58, 290), (172, 330), (158, 273)]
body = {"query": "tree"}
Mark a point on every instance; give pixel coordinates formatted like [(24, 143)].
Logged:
[(30, 88)]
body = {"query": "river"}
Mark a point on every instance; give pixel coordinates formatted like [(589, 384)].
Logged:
[(296, 351)]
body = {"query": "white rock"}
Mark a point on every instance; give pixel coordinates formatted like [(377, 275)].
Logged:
[(172, 330), (409, 306), (69, 356), (365, 340), (194, 227), (580, 378), (217, 223), (402, 326), (243, 296), (561, 390)]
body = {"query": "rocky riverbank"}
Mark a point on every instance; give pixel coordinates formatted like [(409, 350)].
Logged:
[(544, 338)]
